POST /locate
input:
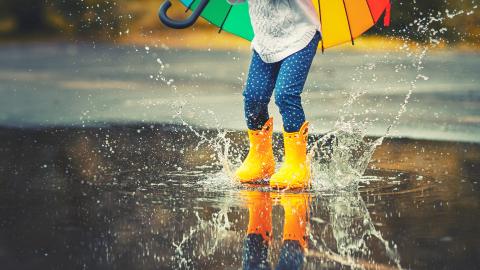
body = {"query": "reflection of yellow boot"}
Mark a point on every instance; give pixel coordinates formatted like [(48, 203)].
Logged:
[(259, 231), (295, 207), (259, 213), (259, 163), (295, 170)]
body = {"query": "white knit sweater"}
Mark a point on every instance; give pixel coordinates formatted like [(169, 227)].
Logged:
[(281, 27)]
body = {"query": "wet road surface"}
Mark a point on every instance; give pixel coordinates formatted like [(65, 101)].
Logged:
[(93, 84), (156, 197)]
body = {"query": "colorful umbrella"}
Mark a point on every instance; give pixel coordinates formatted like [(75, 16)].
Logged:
[(341, 20)]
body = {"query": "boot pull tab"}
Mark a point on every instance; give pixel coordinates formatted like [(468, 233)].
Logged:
[(268, 124), (304, 130), (305, 133)]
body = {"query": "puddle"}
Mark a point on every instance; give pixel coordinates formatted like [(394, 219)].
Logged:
[(151, 196)]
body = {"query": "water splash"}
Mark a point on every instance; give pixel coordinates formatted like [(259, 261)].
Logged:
[(347, 235), (220, 143), (345, 158), (206, 238), (350, 151), (338, 160), (352, 228)]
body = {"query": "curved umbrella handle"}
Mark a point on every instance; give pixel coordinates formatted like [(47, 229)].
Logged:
[(162, 14)]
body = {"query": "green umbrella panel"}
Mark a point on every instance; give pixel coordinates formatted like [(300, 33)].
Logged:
[(231, 18)]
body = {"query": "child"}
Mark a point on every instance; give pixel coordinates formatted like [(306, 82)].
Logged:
[(287, 33)]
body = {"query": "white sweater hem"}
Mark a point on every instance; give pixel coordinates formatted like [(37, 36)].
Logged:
[(297, 46)]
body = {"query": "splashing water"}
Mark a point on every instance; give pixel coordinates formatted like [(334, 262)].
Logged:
[(351, 150), (346, 146), (348, 158), (205, 237), (352, 228), (220, 143), (339, 160)]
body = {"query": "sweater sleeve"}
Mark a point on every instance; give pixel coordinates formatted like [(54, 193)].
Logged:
[(235, 2)]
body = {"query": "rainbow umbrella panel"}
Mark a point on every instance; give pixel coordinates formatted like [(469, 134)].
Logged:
[(341, 20)]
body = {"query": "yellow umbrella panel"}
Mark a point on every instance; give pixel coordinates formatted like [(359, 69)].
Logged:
[(344, 20)]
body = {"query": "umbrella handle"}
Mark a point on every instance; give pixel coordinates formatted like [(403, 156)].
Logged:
[(162, 14)]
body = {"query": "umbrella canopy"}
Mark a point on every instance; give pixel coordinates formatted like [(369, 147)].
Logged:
[(341, 20)]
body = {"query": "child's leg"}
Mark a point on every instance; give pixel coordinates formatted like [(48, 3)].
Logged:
[(291, 79), (259, 163), (258, 91)]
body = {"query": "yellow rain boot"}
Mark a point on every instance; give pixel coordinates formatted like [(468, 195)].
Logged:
[(259, 163), (295, 170)]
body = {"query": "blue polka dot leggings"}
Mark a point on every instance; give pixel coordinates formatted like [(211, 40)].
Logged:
[(288, 78)]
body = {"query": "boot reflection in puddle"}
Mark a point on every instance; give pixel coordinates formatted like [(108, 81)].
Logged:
[(257, 241), (292, 253), (255, 245)]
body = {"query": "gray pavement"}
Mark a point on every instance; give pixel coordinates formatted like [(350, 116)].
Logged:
[(90, 85)]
